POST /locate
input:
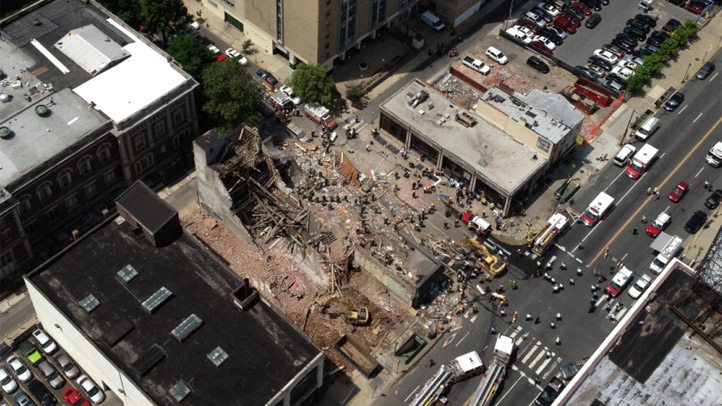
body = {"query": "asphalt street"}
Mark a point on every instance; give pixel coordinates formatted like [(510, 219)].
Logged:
[(683, 140)]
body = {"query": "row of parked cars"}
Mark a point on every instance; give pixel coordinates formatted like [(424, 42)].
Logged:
[(693, 6), (54, 373)]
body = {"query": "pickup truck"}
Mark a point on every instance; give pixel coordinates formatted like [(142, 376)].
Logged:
[(546, 398), (476, 64)]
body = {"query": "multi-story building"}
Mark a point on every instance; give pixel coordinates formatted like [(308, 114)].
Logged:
[(87, 107)]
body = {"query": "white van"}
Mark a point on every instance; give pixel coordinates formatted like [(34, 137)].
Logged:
[(647, 129), (432, 20), (496, 55), (297, 132), (624, 155)]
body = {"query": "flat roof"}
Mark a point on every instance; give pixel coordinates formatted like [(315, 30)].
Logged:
[(265, 351), (711, 272), (484, 148), (143, 204), (520, 109), (39, 139), (657, 360)]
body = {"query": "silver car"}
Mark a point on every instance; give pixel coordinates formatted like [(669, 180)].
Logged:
[(7, 382), (51, 374), (68, 366), (19, 369)]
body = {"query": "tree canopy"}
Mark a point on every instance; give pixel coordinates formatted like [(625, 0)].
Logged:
[(164, 17), (190, 53), (313, 84), (127, 10), (231, 96)]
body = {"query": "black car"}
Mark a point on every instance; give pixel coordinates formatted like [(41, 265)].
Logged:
[(641, 53), (262, 73), (674, 22), (657, 33), (552, 35), (41, 393), (621, 44), (705, 70), (595, 5), (538, 64), (593, 21), (674, 102), (652, 49), (613, 77), (695, 222), (678, 2), (713, 201), (657, 41), (651, 21), (639, 24), (576, 13), (629, 39), (619, 52), (602, 63), (586, 73)]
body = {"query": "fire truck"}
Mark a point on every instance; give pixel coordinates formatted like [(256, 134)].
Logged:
[(281, 102), (319, 115)]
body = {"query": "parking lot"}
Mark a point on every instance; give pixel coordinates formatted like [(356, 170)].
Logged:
[(580, 46)]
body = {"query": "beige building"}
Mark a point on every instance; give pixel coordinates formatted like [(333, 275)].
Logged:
[(322, 31)]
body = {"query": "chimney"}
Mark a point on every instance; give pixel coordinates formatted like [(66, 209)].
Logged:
[(244, 296)]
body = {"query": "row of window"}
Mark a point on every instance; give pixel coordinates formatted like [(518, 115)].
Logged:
[(45, 193), (159, 129)]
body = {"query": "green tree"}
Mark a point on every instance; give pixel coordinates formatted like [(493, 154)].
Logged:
[(354, 93), (191, 54), (246, 47), (231, 96), (637, 81), (653, 63), (668, 49), (127, 10), (165, 17), (313, 83)]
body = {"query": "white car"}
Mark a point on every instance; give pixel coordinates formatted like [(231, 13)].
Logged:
[(19, 369), (232, 53), (638, 288), (496, 55), (635, 59), (623, 72), (44, 341), (544, 40), (606, 55), (549, 8), (289, 92), (7, 382), (535, 18), (526, 31), (627, 64), (213, 48), (514, 32), (598, 70), (91, 389)]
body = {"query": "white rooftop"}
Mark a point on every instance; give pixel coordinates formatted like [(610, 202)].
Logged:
[(133, 84), (91, 49)]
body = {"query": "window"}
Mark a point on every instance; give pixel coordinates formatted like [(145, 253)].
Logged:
[(65, 178), (6, 259), (25, 204), (176, 142), (109, 177), (179, 116), (71, 202), (31, 228), (139, 142), (45, 191), (51, 215), (85, 166), (104, 153), (143, 163), (159, 129), (90, 189)]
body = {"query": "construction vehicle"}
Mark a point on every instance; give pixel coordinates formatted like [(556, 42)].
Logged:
[(491, 264), (354, 315), (438, 385), (555, 227), (484, 393)]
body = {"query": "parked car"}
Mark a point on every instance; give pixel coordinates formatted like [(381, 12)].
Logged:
[(41, 393), (261, 73), (623, 45), (614, 84), (595, 5), (639, 34), (21, 399), (541, 47), (576, 13), (674, 101), (572, 18), (538, 19), (641, 53), (656, 40), (7, 383), (678, 192), (659, 224), (51, 374), (538, 64), (18, 369), (541, 12), (705, 70), (559, 31), (549, 8), (617, 51), (629, 39), (566, 25), (581, 7), (622, 72), (552, 35), (30, 352), (604, 63), (289, 92), (628, 64), (640, 286), (639, 24), (496, 56), (91, 389), (639, 61), (44, 341), (544, 40), (569, 370), (586, 73), (73, 398), (695, 8), (695, 222), (646, 18), (601, 73), (67, 365), (713, 200), (648, 47), (528, 24), (606, 55)]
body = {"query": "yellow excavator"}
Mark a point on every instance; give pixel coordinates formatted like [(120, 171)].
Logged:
[(354, 315), (489, 263)]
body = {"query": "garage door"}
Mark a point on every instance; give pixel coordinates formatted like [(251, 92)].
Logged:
[(234, 22)]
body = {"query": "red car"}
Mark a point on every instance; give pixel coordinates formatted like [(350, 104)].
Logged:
[(679, 191), (528, 24), (540, 45), (582, 7), (566, 25), (73, 398), (573, 19), (659, 224), (694, 8)]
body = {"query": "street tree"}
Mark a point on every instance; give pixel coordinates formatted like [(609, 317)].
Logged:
[(190, 53), (314, 84), (231, 96), (164, 17)]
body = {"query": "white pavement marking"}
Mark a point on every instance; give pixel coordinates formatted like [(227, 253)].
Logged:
[(614, 180), (516, 332), (578, 260), (622, 259), (683, 108), (602, 299), (621, 313), (473, 319), (543, 365), (715, 75), (462, 338), (560, 247), (510, 390), (541, 355), (553, 368), (698, 172), (411, 394), (528, 354), (695, 120)]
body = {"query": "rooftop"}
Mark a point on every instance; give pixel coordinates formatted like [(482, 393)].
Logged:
[(711, 272), (483, 147), (145, 321), (541, 112), (139, 200)]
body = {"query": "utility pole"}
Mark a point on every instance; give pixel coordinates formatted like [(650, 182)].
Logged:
[(626, 129)]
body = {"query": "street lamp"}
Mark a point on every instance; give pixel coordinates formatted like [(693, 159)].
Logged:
[(626, 129)]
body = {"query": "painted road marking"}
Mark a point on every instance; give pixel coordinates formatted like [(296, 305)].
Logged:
[(553, 368), (462, 339), (698, 172), (411, 394), (695, 120), (542, 354), (614, 180), (543, 365), (528, 354), (516, 332), (683, 108), (715, 75)]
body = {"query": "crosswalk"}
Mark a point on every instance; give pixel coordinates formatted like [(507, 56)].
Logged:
[(533, 356)]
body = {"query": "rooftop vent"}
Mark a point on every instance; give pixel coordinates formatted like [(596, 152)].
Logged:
[(157, 299), (186, 327), (5, 133), (127, 273), (218, 356), (90, 303), (42, 110), (180, 391), (149, 359)]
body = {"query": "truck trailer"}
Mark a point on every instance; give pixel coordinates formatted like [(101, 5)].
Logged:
[(555, 227), (438, 385), (484, 393)]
